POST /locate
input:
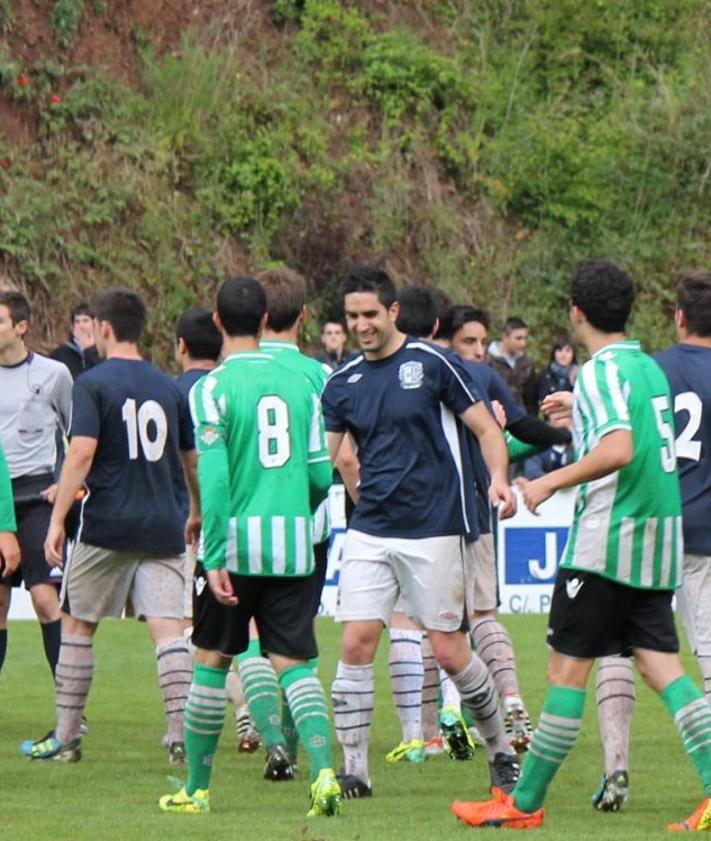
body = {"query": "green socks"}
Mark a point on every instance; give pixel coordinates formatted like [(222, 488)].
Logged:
[(261, 691), (692, 716), (307, 702), (204, 717), (557, 731)]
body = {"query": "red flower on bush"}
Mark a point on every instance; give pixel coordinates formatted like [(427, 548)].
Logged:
[(55, 99), (22, 80)]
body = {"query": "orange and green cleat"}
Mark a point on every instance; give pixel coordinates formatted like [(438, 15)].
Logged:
[(499, 812), (700, 821)]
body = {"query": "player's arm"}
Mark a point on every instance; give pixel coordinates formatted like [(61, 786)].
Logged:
[(615, 450), (194, 522), (348, 467), (9, 547), (75, 469), (479, 421), (319, 457)]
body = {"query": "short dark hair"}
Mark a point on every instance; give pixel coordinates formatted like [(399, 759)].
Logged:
[(81, 309), (241, 304), (444, 305), (418, 311), (124, 310), (286, 296), (337, 321), (693, 297), (562, 341), (365, 278), (197, 329), (459, 315), (604, 293), (514, 323), (17, 305)]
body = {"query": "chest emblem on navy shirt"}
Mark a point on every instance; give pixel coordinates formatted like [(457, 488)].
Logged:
[(354, 378), (411, 375)]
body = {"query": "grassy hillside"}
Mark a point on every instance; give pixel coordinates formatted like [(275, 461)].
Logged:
[(484, 147)]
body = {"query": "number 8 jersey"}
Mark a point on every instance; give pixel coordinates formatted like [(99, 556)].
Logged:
[(627, 525), (263, 465), (135, 412)]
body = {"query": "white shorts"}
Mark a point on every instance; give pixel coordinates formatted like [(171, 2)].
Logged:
[(694, 602), (433, 575), (485, 592), (98, 582)]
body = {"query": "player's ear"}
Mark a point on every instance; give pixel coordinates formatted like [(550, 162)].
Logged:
[(680, 319), (180, 346), (302, 315), (216, 321), (394, 311)]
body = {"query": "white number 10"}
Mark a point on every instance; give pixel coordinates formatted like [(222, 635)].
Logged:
[(137, 428), (273, 427)]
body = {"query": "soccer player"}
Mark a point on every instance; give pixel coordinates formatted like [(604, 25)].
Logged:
[(400, 401), (263, 469), (35, 398), (687, 366), (9, 547), (622, 560), (127, 433), (285, 292)]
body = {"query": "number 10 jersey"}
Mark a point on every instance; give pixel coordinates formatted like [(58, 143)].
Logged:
[(627, 525), (263, 465)]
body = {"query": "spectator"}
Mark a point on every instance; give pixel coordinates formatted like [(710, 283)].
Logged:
[(508, 357), (561, 371), (333, 341), (79, 352)]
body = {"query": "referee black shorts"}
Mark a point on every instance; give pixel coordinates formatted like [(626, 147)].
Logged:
[(32, 513), (281, 607), (592, 616)]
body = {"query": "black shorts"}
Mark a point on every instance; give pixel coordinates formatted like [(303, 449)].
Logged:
[(592, 616), (281, 607), (32, 513)]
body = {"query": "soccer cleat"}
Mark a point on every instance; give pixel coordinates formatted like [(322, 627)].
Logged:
[(352, 787), (50, 748), (325, 795), (412, 751), (613, 792), (435, 746), (499, 812), (504, 770), (248, 738), (176, 753), (188, 804), (700, 821), (277, 767), (517, 724), (455, 734)]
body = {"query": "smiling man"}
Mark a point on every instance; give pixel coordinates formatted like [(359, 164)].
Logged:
[(402, 401)]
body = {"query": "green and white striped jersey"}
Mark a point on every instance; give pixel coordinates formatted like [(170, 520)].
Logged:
[(263, 465), (627, 525), (317, 373)]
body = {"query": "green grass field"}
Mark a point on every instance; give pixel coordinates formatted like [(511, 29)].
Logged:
[(112, 793)]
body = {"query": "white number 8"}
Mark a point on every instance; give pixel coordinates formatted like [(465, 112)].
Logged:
[(273, 426)]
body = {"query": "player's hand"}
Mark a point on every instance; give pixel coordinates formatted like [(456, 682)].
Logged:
[(536, 492), (50, 493), (9, 552), (54, 544), (559, 403), (502, 497), (193, 527), (499, 413), (221, 586)]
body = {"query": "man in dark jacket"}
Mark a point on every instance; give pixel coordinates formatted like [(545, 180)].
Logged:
[(79, 352)]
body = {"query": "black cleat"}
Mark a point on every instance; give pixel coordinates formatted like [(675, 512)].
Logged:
[(613, 792), (505, 770), (278, 768), (352, 787)]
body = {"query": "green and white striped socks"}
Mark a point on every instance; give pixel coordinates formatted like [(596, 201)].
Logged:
[(692, 716), (307, 702), (261, 691), (558, 728), (204, 717)]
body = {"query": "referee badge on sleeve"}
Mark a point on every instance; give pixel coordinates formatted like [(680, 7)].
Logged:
[(411, 375)]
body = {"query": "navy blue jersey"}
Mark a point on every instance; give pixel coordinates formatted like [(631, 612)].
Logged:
[(688, 369), (135, 412), (496, 388), (401, 412), (185, 382)]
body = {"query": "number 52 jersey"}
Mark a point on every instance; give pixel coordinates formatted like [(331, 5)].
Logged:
[(134, 411), (263, 465)]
